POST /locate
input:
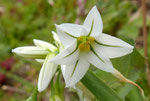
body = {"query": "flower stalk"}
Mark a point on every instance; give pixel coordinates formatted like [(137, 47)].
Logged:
[(118, 75), (145, 41)]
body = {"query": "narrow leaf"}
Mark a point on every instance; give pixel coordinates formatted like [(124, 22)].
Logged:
[(99, 88), (135, 95)]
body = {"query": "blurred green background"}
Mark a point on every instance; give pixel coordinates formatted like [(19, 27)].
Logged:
[(21, 21)]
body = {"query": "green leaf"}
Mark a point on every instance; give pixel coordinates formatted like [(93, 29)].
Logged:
[(135, 95), (99, 88), (33, 97)]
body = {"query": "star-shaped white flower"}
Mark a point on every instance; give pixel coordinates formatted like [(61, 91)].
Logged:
[(43, 52), (86, 44)]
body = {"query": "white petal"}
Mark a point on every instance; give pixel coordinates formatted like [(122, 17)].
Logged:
[(76, 71), (65, 39), (113, 52), (100, 62), (44, 44), (84, 31), (72, 29), (40, 60), (67, 59), (67, 56), (31, 51), (63, 68), (93, 18), (47, 72), (57, 41), (66, 71), (56, 38), (80, 71)]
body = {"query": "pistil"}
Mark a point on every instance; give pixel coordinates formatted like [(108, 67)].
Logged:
[(84, 43)]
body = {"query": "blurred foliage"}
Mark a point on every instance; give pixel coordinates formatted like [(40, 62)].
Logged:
[(33, 97), (21, 21)]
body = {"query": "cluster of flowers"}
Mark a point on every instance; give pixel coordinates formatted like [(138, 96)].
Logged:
[(76, 47)]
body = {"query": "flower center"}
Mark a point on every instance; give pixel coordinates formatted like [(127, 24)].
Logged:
[(84, 42)]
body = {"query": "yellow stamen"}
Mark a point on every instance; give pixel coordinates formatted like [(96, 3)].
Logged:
[(90, 39), (84, 46), (80, 38), (85, 42)]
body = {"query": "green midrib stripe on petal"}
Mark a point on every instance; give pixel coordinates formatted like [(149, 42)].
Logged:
[(91, 28), (70, 35), (107, 45), (71, 52), (74, 67), (96, 54)]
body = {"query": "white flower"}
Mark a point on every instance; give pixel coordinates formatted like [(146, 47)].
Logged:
[(86, 44), (43, 52)]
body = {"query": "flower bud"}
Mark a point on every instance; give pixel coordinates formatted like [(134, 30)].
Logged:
[(31, 52)]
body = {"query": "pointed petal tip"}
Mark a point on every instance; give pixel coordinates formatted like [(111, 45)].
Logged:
[(40, 60), (68, 85), (95, 7), (53, 32), (132, 47), (40, 89), (35, 40), (56, 38), (15, 50), (56, 25)]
